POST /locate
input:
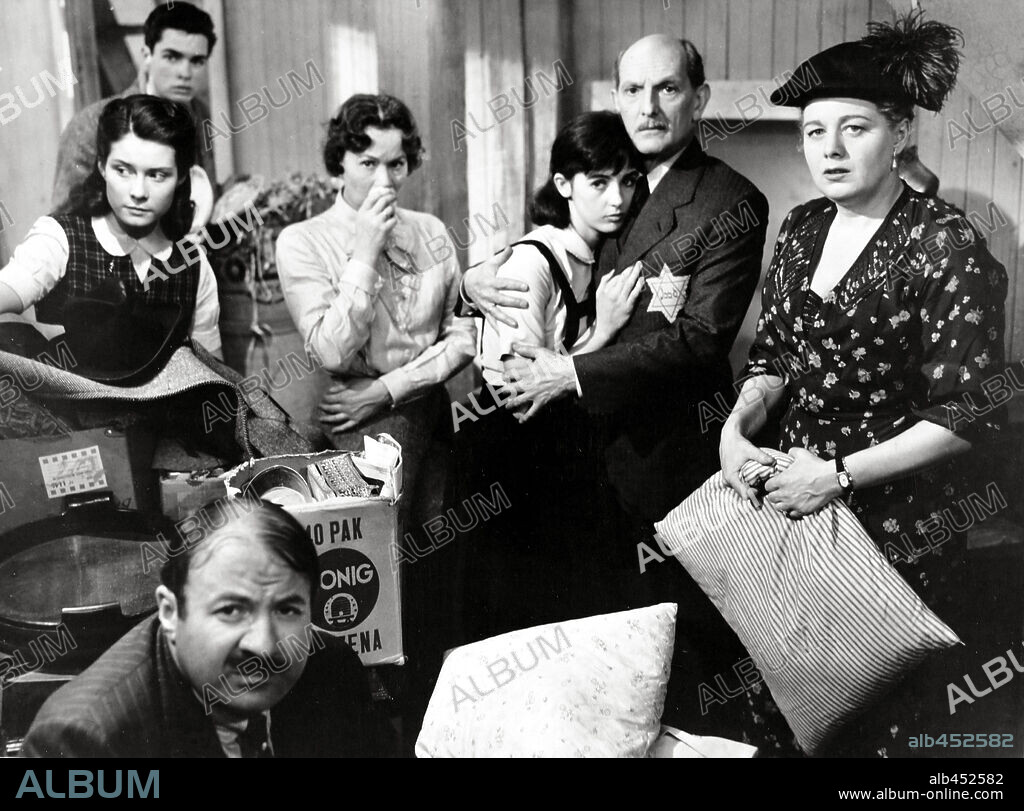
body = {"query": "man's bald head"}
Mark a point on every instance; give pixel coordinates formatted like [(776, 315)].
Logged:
[(691, 60)]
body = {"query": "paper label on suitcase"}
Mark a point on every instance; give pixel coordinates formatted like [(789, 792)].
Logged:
[(71, 472)]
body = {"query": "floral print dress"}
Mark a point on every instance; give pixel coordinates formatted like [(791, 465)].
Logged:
[(912, 332)]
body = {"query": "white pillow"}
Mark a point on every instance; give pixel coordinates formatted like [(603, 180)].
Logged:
[(592, 687), (829, 623), (674, 743)]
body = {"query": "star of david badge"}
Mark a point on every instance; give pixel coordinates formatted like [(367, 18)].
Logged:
[(668, 294)]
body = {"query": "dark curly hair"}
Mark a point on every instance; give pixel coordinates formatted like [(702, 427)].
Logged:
[(347, 130), (150, 118), (591, 142)]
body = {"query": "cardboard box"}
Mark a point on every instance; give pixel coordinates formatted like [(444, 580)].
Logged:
[(39, 473), (359, 596)]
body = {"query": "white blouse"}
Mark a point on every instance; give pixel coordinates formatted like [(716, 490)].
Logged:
[(544, 319), (395, 321)]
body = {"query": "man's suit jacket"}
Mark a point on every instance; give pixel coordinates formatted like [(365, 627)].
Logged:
[(706, 224), (134, 702), (76, 153)]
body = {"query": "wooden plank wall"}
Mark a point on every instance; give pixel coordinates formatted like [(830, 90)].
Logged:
[(263, 42), (981, 169), (739, 39), (411, 50)]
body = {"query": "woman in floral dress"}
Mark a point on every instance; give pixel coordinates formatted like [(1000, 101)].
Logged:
[(882, 319)]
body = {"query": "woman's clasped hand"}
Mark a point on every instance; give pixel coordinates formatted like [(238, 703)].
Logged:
[(803, 488)]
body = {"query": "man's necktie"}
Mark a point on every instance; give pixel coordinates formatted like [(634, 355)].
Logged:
[(643, 191), (253, 742)]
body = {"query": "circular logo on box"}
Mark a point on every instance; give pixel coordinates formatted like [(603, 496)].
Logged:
[(348, 589)]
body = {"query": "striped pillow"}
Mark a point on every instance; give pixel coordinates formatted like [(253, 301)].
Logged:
[(829, 623)]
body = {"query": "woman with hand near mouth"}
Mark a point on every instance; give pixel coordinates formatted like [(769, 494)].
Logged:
[(124, 223), (376, 307), (882, 317), (543, 462), (373, 304)]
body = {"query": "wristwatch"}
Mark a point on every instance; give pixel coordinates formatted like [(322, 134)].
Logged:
[(843, 476)]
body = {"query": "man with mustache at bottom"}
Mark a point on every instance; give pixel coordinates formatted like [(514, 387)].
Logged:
[(229, 667)]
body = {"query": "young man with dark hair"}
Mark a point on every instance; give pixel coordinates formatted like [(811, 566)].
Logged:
[(178, 41), (230, 666)]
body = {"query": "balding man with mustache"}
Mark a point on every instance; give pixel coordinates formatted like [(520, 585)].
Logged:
[(230, 666)]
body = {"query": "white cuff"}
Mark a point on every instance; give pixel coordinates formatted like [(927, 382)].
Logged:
[(361, 275), (576, 377), (397, 383)]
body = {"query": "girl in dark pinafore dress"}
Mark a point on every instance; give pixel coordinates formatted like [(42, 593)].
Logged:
[(542, 559), (124, 225)]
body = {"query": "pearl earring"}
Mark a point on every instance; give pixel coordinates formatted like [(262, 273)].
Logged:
[(893, 167)]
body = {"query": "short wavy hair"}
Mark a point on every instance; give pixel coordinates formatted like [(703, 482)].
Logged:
[(347, 130)]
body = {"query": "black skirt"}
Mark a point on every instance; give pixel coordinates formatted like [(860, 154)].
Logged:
[(539, 560)]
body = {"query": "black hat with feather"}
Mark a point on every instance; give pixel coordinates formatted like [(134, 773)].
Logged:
[(912, 61)]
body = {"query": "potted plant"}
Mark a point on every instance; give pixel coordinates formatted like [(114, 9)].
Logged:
[(247, 219)]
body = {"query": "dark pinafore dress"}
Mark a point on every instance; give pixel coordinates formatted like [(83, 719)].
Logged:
[(529, 564), (174, 281), (89, 265)]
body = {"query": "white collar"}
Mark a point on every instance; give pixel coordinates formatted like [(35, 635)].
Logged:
[(658, 172), (229, 731), (240, 726), (341, 205), (116, 242), (573, 243)]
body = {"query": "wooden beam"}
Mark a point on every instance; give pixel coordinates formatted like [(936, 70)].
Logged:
[(220, 94), (85, 63), (116, 64), (447, 166), (545, 46)]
